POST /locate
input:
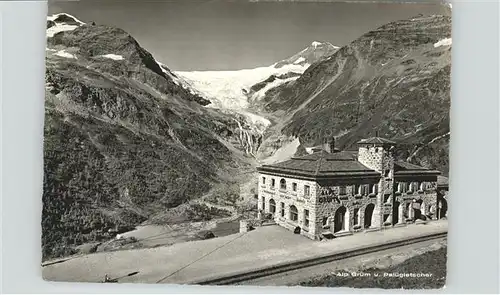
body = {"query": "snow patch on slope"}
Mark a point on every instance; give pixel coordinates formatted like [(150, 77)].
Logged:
[(261, 93), (113, 56), (65, 54), (299, 60), (61, 26), (284, 153), (55, 16), (443, 42)]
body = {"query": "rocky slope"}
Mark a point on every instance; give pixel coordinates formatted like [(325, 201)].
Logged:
[(394, 80), (124, 139)]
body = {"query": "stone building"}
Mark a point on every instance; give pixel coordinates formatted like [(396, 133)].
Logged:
[(331, 192)]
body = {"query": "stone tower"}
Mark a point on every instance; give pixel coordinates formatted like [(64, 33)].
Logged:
[(377, 153)]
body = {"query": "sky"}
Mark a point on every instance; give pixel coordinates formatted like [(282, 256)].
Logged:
[(201, 35)]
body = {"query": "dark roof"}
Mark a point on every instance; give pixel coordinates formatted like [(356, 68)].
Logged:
[(376, 140), (405, 168), (321, 164)]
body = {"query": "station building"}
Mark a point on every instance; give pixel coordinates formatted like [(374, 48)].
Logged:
[(331, 192)]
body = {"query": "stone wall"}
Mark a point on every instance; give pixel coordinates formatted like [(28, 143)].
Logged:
[(288, 197), (329, 201), (378, 158), (427, 198)]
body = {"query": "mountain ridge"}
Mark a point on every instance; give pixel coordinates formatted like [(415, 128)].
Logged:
[(376, 83), (124, 140)]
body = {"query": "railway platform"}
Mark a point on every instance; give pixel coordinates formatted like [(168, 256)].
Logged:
[(200, 261)]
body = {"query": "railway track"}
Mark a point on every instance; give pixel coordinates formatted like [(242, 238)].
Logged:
[(295, 265)]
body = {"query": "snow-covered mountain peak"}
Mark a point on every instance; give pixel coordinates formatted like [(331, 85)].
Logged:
[(310, 54), (315, 43), (61, 22)]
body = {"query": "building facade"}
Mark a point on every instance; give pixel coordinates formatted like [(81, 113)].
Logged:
[(332, 192)]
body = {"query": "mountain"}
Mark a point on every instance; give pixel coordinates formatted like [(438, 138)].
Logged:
[(234, 89), (394, 80), (127, 140), (234, 92), (124, 140)]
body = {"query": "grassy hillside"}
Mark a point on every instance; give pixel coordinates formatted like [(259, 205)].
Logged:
[(123, 141)]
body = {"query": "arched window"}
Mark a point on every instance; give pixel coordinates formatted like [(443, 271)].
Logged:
[(341, 221), (272, 206), (282, 183), (294, 213)]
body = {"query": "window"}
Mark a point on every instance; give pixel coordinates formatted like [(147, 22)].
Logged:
[(375, 189), (273, 182), (357, 220), (294, 214), (282, 209), (263, 180), (363, 189), (401, 187), (413, 187), (294, 187), (423, 186), (325, 220), (272, 206), (264, 204), (282, 184), (307, 190), (306, 217), (342, 190)]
